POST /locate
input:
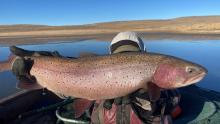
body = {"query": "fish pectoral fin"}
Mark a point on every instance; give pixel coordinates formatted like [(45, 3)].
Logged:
[(80, 106), (153, 91), (87, 54), (28, 85)]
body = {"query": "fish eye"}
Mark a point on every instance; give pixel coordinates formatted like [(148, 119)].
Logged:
[(190, 70)]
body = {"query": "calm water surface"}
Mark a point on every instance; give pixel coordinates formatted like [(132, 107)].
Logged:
[(206, 53)]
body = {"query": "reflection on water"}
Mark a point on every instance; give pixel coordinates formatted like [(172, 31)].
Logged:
[(204, 53)]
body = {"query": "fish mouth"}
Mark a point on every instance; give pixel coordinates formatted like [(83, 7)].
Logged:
[(196, 78)]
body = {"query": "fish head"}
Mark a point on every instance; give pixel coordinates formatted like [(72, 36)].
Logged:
[(174, 73)]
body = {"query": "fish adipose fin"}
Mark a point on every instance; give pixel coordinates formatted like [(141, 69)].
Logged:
[(153, 91), (87, 54)]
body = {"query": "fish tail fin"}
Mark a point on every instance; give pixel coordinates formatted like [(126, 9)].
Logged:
[(21, 52), (6, 65), (15, 51)]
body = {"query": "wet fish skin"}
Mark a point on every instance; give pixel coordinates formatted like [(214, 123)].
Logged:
[(111, 76)]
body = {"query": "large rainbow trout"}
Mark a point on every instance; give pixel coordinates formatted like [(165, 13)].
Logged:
[(111, 76)]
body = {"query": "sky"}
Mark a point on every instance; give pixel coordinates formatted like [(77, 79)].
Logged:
[(77, 12)]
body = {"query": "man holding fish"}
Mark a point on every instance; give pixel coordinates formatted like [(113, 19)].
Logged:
[(129, 78), (139, 107)]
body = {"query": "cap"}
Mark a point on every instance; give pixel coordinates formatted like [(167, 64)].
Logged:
[(126, 41)]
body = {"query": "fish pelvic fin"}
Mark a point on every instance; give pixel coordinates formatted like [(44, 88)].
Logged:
[(28, 84), (80, 106)]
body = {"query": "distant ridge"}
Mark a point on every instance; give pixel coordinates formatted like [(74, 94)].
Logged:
[(188, 18), (184, 25)]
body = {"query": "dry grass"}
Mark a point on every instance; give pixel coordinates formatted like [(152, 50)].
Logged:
[(184, 25)]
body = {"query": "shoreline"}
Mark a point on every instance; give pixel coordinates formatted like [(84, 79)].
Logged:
[(105, 37), (185, 28)]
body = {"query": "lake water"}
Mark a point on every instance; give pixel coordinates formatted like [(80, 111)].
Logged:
[(205, 52)]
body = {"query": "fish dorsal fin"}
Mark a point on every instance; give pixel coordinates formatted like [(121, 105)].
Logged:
[(153, 91), (87, 54)]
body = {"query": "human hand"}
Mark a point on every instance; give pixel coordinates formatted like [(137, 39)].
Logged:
[(22, 63)]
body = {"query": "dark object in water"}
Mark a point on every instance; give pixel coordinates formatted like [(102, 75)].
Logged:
[(199, 106)]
